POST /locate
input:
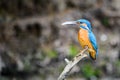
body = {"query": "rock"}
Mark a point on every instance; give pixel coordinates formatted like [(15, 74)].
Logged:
[(114, 42), (103, 37), (20, 65), (1, 64), (109, 68), (59, 5), (115, 4), (81, 3)]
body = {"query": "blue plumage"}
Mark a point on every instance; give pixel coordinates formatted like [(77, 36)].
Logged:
[(91, 36), (87, 22), (86, 36), (93, 41)]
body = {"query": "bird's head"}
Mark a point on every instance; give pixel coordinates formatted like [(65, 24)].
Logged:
[(83, 23)]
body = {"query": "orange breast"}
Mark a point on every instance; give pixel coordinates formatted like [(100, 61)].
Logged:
[(84, 39)]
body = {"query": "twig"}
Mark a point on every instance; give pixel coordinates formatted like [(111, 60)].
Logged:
[(72, 63)]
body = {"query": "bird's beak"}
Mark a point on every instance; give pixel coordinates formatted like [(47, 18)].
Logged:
[(69, 22)]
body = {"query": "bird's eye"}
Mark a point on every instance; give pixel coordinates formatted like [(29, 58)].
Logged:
[(81, 22)]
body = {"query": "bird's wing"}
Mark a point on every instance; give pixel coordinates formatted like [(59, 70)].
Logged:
[(93, 41)]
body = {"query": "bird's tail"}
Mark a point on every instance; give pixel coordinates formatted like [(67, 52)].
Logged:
[(92, 55)]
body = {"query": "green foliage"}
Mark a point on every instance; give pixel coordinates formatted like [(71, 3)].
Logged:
[(89, 71), (117, 65), (97, 72), (27, 65), (4, 78), (61, 68), (105, 21), (51, 53), (73, 50)]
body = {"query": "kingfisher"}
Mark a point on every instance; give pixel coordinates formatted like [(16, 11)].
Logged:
[(86, 37)]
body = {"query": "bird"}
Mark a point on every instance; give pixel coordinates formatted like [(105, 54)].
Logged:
[(86, 36)]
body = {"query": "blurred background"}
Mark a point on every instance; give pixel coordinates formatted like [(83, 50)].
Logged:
[(33, 44)]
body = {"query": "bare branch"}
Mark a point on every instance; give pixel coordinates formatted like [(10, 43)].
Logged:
[(72, 63)]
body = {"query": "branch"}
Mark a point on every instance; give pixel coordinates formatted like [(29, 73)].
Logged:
[(72, 63)]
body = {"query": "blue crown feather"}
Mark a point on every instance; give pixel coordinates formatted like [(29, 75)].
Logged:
[(85, 21)]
